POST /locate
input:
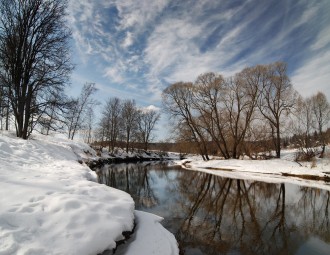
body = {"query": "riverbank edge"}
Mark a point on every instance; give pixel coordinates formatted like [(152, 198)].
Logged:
[(318, 178), (93, 163), (312, 177), (98, 162)]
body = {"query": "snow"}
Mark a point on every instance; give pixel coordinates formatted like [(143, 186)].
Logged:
[(159, 240), (51, 204), (120, 153), (265, 170)]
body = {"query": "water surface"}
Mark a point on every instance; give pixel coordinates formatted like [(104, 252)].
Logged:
[(209, 214)]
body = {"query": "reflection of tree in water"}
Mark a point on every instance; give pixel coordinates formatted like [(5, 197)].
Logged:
[(145, 193), (314, 207), (225, 214), (220, 215), (132, 178)]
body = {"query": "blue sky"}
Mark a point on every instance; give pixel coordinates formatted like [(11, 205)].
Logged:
[(135, 48)]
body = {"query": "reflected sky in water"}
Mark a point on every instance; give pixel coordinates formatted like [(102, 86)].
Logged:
[(210, 214)]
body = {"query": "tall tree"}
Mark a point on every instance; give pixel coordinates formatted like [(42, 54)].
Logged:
[(321, 112), (129, 115), (178, 100), (240, 99), (209, 103), (303, 127), (111, 120), (146, 123), (277, 99), (34, 57)]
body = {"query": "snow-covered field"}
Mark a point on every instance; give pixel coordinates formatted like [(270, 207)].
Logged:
[(266, 170), (51, 204)]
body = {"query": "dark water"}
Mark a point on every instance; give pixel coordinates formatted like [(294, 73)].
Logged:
[(209, 214)]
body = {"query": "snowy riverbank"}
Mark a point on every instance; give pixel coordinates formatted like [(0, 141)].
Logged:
[(309, 174), (133, 156), (51, 204)]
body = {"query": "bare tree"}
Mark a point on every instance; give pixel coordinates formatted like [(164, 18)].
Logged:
[(208, 102), (147, 120), (321, 112), (277, 100), (302, 126), (34, 57), (226, 107), (89, 125), (178, 101), (111, 119), (130, 116), (80, 107), (241, 97)]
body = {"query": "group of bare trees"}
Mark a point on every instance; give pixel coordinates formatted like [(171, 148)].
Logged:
[(310, 120), (233, 114), (122, 120)]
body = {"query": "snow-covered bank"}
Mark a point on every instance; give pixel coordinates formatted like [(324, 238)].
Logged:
[(273, 170), (121, 156), (150, 237), (51, 204)]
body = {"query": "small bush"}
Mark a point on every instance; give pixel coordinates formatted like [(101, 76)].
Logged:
[(306, 154)]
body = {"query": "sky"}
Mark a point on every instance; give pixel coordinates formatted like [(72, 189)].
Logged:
[(133, 49)]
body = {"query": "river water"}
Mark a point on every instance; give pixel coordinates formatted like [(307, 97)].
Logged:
[(209, 214)]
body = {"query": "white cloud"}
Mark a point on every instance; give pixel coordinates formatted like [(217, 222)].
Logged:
[(128, 41), (313, 76), (113, 74), (172, 53), (322, 40), (174, 48), (138, 13), (150, 108)]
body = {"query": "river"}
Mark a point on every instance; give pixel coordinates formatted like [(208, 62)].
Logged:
[(209, 214)]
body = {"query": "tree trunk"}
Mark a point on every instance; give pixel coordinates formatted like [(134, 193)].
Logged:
[(127, 142), (7, 115), (278, 142), (323, 150)]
